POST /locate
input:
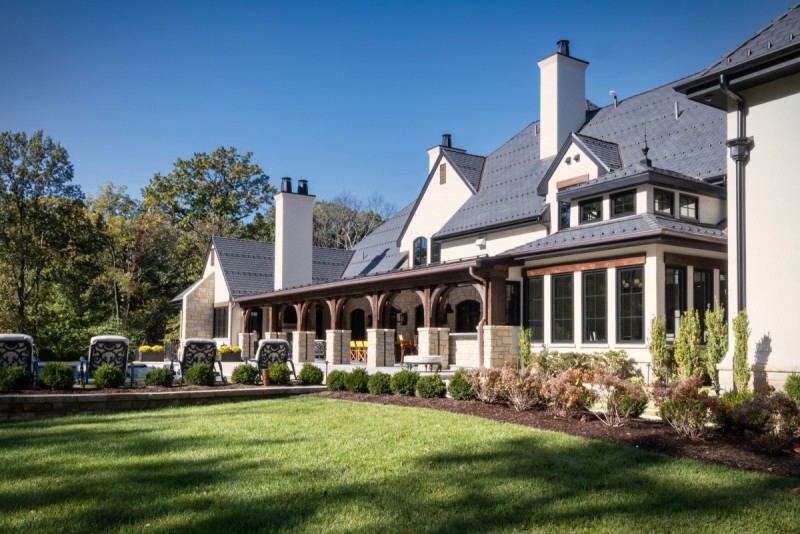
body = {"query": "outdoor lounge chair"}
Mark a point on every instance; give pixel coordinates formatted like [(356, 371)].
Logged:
[(105, 350), (271, 351), (194, 351), (16, 350)]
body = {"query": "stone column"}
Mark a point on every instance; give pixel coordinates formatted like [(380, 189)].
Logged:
[(277, 335), (246, 341), (434, 342), (380, 347), (500, 345), (337, 346), (303, 347)]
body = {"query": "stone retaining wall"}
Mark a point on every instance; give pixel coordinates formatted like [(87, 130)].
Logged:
[(27, 407)]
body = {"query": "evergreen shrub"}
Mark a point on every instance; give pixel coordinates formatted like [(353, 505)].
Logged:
[(311, 375), (108, 376), (57, 376), (431, 386), (244, 374), (158, 377), (458, 386), (199, 375), (380, 384), (279, 374)]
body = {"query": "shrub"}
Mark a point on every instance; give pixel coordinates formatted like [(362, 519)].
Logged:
[(151, 348), (199, 375), (659, 353), (543, 362), (225, 349), (525, 347), (380, 384), (108, 376), (725, 406), (356, 380), (687, 346), (616, 363), (158, 377), (741, 335), (522, 389), (14, 379), (684, 407), (431, 386), (335, 380), (458, 386), (792, 387), (404, 382), (616, 399), (486, 385), (57, 376), (279, 374), (771, 421), (244, 374), (716, 339), (565, 393), (311, 375)]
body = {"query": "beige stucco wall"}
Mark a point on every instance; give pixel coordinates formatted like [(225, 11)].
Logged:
[(495, 242)]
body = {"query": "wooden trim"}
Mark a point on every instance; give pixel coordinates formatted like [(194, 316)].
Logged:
[(695, 261), (625, 261), (221, 304), (569, 182)]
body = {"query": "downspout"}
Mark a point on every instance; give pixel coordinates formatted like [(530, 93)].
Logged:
[(484, 311), (740, 152)]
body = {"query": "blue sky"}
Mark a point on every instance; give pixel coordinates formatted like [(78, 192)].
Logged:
[(348, 95)]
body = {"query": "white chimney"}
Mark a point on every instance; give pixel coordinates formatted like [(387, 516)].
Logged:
[(294, 229), (562, 103)]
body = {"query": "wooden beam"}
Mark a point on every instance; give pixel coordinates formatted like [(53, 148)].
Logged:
[(695, 261), (626, 261), (569, 182)]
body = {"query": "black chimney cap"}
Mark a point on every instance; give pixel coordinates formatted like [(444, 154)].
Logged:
[(302, 187), (446, 140), (562, 47), (286, 185)]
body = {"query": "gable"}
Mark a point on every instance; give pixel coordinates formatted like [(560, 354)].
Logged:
[(574, 164)]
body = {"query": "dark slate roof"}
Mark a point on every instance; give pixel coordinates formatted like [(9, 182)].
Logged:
[(626, 228), (378, 252), (469, 165), (249, 266), (606, 151)]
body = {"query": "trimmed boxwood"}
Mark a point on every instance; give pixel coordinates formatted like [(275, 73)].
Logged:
[(380, 384), (792, 387), (311, 375), (158, 377), (108, 376), (279, 374), (199, 375), (356, 380), (431, 386), (335, 380), (405, 382), (14, 379), (459, 388), (57, 376), (244, 374)]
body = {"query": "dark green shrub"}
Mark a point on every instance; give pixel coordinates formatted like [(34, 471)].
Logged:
[(14, 379), (158, 377), (311, 375), (356, 380), (279, 374), (108, 376), (335, 380), (684, 407), (199, 375), (792, 387), (380, 384), (771, 421), (404, 382), (244, 374), (431, 386), (632, 404), (458, 386), (57, 376), (726, 405)]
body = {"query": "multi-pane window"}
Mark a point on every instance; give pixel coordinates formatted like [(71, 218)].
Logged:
[(663, 202), (535, 308), (436, 252), (723, 294), (674, 295), (688, 207), (512, 303), (443, 173), (623, 203), (563, 215), (563, 316), (591, 210), (703, 296), (420, 251), (595, 309), (220, 326), (630, 308)]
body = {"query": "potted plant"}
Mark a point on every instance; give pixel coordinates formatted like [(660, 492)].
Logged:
[(152, 353), (230, 354)]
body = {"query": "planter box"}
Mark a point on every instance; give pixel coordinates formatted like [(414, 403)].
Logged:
[(152, 356), (231, 357)]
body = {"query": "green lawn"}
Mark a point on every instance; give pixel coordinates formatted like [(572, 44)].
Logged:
[(316, 465)]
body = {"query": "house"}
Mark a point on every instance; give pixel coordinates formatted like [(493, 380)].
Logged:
[(582, 226), (757, 85)]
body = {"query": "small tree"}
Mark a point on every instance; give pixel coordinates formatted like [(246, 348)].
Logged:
[(524, 347), (659, 353), (741, 335), (716, 339), (687, 346)]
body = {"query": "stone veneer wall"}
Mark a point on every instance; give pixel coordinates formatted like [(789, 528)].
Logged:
[(380, 347), (435, 342), (303, 347), (500, 345), (337, 346), (407, 302), (464, 350), (198, 310)]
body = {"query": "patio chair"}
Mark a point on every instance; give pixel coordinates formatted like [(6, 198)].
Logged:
[(194, 351), (105, 350), (361, 351), (271, 351), (17, 350)]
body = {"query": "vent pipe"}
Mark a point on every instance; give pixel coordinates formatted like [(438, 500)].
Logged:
[(562, 47), (302, 187), (286, 185), (446, 142)]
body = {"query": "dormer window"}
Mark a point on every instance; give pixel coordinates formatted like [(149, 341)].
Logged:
[(688, 207), (420, 251), (663, 202), (591, 210), (623, 203)]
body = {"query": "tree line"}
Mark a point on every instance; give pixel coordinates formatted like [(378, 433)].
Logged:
[(75, 265)]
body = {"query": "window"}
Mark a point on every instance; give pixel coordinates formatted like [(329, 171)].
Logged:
[(623, 203), (688, 207), (563, 215), (663, 202), (591, 210), (630, 310), (563, 317), (674, 295), (220, 326), (594, 306), (442, 173), (420, 251), (535, 308), (468, 315), (436, 252), (723, 294), (512, 303), (703, 297)]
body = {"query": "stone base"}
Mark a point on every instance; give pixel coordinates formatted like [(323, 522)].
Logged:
[(337, 346), (500, 346), (303, 347), (434, 342), (380, 347), (246, 342)]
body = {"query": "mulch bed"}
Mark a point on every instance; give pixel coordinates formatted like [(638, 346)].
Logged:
[(126, 391), (643, 434)]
